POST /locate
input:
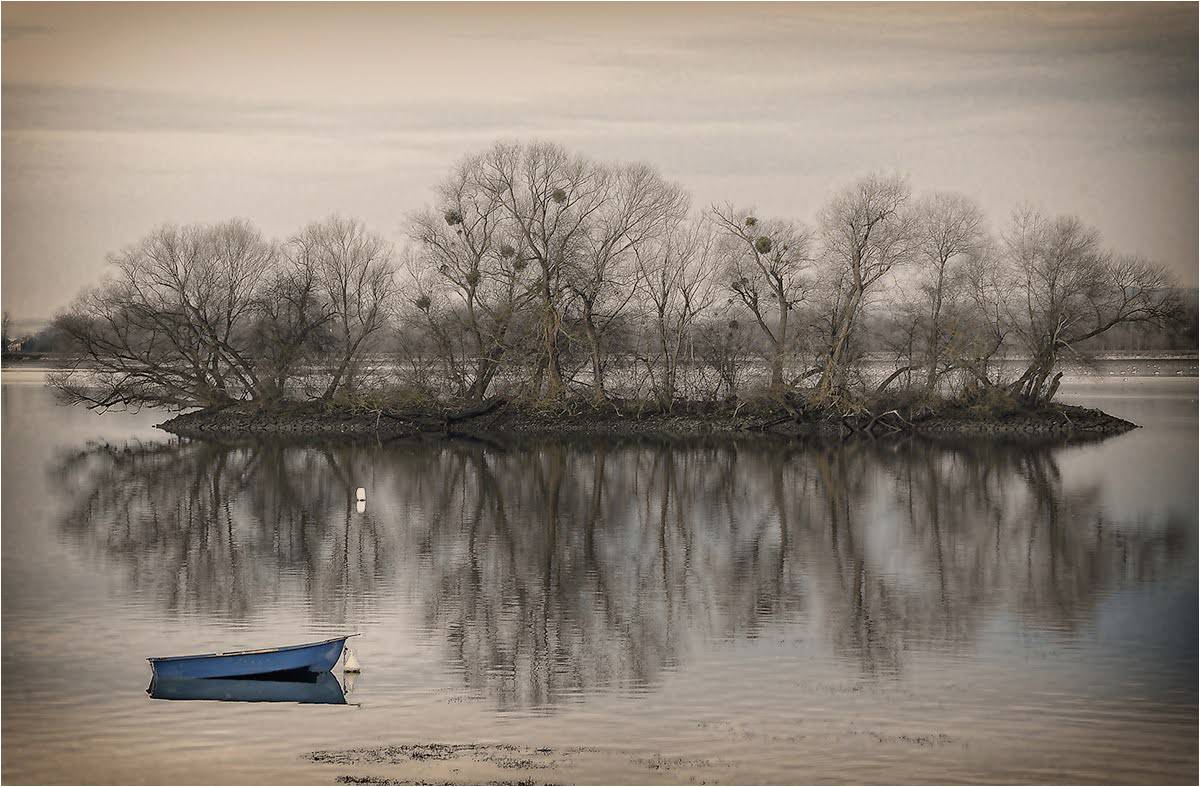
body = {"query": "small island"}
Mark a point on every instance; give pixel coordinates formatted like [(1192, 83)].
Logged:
[(503, 418), (549, 293)]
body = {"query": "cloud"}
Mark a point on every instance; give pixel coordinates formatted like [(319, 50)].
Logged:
[(126, 116), (15, 32), (52, 108)]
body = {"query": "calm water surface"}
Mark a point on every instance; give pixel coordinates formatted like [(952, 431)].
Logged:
[(597, 612)]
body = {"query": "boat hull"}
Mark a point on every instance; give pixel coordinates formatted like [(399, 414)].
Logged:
[(313, 657)]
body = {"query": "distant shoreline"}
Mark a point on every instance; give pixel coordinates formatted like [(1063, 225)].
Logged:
[(578, 418), (23, 357), (1162, 354)]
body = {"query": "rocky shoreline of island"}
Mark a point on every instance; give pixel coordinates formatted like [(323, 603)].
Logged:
[(612, 419)]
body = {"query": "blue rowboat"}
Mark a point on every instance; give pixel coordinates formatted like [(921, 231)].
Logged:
[(318, 688), (292, 659)]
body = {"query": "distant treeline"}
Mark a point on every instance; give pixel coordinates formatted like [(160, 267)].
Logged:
[(544, 275)]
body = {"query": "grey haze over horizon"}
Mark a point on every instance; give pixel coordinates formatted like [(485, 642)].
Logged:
[(118, 118)]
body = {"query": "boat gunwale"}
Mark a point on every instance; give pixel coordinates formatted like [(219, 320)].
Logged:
[(254, 652)]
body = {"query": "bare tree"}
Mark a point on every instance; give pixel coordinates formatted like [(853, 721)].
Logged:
[(765, 265), (722, 342), (548, 199), (171, 327), (984, 334), (676, 287), (291, 326), (639, 208), (472, 277), (355, 282), (1068, 289), (865, 233), (949, 229)]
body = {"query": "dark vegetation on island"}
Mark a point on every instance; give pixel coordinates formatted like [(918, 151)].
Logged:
[(545, 291)]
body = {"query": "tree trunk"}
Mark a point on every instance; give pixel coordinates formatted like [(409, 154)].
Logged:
[(483, 378), (551, 361), (892, 377), (1028, 387), (931, 375), (777, 368), (833, 378), (1053, 389), (593, 339)]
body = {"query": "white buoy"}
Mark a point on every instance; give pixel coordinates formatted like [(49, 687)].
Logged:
[(349, 662), (348, 680), (361, 506), (361, 494)]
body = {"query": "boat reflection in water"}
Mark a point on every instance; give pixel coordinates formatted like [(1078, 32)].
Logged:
[(314, 688)]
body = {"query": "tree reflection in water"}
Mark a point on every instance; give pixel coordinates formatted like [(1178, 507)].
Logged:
[(550, 568), (217, 529)]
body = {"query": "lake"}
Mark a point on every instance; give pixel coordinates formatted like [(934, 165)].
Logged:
[(595, 611)]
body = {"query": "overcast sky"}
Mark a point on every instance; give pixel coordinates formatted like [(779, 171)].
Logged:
[(120, 117)]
